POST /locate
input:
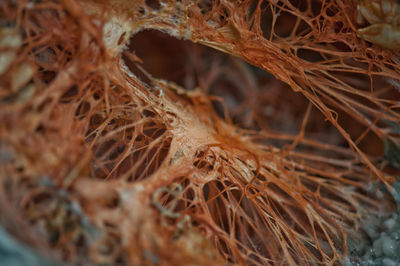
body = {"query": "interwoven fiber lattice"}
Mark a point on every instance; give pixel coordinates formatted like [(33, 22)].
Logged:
[(102, 162)]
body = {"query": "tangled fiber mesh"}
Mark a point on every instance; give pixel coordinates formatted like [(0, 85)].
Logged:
[(102, 163)]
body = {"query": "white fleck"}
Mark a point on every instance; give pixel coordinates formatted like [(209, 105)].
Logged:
[(6, 59), (9, 39), (187, 35), (160, 91), (29, 5), (21, 76), (26, 94)]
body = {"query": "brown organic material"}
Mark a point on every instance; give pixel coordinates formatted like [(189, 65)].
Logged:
[(112, 165)]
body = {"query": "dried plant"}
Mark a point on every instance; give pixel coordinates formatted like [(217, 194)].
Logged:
[(112, 165)]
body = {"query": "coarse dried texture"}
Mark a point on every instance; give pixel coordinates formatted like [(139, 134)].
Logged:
[(384, 17), (110, 169), (310, 45)]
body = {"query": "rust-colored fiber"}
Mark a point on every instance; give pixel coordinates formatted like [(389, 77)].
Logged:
[(104, 161)]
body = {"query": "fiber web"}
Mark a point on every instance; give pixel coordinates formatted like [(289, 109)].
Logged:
[(110, 166)]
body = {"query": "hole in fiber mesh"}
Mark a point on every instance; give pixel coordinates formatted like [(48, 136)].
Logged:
[(69, 95), (309, 55), (300, 4), (82, 110), (163, 57), (154, 4), (254, 98), (285, 24), (205, 6)]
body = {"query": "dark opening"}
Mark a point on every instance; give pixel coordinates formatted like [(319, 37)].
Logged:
[(251, 97), (249, 94)]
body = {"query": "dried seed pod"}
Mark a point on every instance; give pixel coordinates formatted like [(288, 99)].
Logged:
[(384, 17)]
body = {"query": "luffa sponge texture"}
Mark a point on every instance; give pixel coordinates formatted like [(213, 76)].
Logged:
[(104, 163)]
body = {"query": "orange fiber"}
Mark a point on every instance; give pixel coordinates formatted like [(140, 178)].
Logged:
[(253, 139)]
